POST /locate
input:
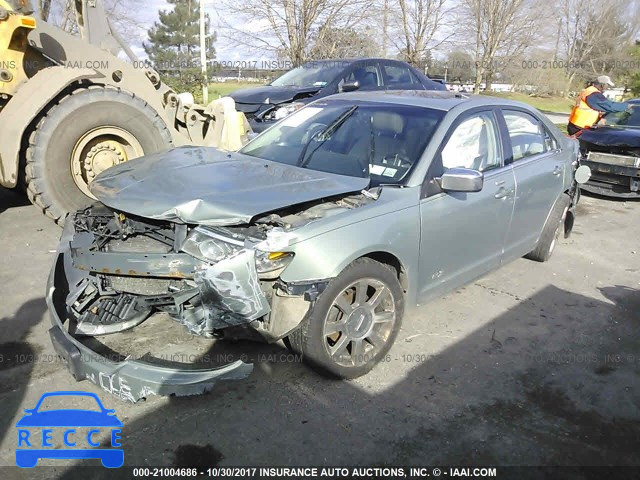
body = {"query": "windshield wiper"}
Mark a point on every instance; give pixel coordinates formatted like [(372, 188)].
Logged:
[(324, 136)]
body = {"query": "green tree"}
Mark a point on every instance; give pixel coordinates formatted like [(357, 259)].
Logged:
[(634, 84), (461, 66), (628, 73), (174, 45)]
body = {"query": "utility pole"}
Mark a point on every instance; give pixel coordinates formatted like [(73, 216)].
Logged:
[(203, 55), (385, 27), (555, 51)]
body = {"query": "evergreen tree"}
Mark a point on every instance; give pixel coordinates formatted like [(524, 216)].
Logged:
[(174, 45)]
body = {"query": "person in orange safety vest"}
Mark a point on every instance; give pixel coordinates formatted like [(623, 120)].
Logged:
[(592, 104)]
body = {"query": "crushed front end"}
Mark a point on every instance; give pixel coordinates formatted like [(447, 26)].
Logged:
[(612, 152), (114, 270)]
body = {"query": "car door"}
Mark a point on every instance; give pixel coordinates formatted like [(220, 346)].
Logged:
[(463, 234), (538, 169)]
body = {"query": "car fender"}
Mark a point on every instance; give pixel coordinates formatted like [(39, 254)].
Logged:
[(326, 255)]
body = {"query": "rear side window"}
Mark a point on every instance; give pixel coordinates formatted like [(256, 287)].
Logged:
[(398, 75), (528, 136)]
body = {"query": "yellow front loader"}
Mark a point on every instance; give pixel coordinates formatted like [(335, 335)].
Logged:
[(14, 30), (70, 108)]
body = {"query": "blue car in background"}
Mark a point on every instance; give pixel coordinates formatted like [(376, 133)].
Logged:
[(69, 418)]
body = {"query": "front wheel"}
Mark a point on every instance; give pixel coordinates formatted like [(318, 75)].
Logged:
[(354, 322)]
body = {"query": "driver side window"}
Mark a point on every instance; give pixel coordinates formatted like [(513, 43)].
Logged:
[(473, 144)]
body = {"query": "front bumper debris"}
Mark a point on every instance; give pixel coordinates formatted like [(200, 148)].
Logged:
[(114, 271), (129, 380), (121, 270)]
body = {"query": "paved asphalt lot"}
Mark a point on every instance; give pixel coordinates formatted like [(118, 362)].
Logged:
[(532, 364)]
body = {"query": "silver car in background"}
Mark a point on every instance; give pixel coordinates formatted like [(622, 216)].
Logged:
[(321, 231)]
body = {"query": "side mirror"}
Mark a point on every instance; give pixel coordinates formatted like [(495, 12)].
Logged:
[(462, 180), (350, 86)]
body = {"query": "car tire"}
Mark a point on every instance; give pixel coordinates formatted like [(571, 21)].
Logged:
[(552, 230), (344, 336), (69, 137)]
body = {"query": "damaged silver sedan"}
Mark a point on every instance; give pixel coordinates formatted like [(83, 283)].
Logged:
[(319, 232)]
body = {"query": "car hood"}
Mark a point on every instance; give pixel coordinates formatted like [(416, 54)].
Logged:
[(270, 94), (610, 136), (209, 187)]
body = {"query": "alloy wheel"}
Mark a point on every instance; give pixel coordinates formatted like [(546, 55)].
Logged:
[(359, 322)]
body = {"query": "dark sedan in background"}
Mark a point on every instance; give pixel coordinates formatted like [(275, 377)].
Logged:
[(268, 103), (611, 150)]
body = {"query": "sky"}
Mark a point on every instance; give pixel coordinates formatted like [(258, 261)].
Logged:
[(225, 51)]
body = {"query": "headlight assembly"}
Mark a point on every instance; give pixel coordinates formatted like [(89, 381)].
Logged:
[(271, 264), (209, 246), (286, 110)]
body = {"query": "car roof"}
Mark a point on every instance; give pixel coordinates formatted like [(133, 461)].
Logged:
[(353, 60), (434, 99)]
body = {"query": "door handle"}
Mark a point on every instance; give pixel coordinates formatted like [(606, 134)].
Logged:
[(502, 193), (557, 171), (500, 183)]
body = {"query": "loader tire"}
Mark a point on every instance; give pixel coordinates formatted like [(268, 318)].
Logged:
[(83, 134)]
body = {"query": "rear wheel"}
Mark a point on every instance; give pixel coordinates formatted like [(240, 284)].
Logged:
[(354, 321), (87, 132), (552, 230)]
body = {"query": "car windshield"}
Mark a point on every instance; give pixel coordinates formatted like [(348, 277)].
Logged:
[(624, 119), (314, 74), (381, 142)]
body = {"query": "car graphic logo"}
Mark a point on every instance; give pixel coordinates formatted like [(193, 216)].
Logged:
[(34, 444)]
